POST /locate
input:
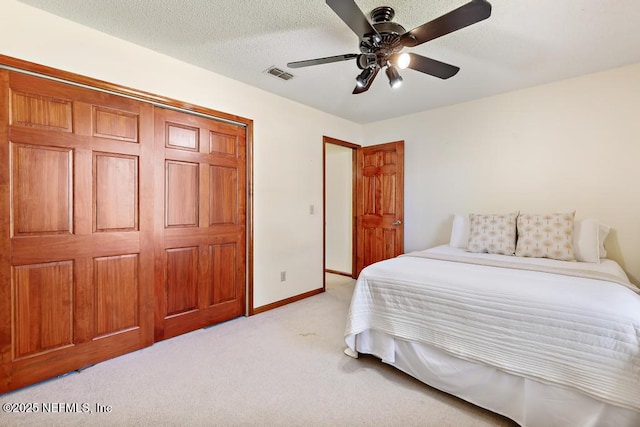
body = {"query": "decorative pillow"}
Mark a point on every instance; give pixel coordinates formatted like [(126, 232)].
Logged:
[(459, 231), (494, 234), (546, 236)]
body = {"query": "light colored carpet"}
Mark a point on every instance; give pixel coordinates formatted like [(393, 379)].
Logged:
[(285, 367)]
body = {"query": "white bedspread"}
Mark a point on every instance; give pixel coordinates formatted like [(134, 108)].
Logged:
[(576, 332)]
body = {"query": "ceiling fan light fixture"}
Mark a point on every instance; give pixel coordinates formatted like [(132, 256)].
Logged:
[(403, 60), (395, 79), (364, 77)]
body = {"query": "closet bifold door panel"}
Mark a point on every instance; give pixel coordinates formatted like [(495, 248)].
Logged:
[(200, 235), (76, 255)]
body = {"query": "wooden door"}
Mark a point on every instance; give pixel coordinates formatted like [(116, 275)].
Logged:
[(76, 283), (380, 203), (200, 248)]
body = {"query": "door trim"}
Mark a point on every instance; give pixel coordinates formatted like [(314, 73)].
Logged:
[(354, 147)]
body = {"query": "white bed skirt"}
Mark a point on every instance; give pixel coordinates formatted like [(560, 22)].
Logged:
[(528, 402)]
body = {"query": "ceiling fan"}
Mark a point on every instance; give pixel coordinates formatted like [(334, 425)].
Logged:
[(381, 41)]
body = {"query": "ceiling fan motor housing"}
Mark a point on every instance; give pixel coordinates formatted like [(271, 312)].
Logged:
[(389, 32)]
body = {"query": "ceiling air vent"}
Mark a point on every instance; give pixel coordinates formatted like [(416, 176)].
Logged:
[(277, 72)]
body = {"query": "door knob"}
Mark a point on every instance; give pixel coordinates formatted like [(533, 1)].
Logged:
[(398, 222)]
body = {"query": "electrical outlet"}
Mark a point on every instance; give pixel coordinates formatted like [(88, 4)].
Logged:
[(283, 276), (312, 209)]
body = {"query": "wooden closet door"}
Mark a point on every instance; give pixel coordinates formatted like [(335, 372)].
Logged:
[(200, 242), (76, 184)]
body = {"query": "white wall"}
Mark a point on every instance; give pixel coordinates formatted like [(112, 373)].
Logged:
[(339, 208), (568, 145), (287, 135)]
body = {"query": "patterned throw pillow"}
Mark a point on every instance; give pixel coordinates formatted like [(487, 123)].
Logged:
[(546, 236), (495, 234)]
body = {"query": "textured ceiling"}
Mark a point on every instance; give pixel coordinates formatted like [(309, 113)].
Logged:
[(523, 43)]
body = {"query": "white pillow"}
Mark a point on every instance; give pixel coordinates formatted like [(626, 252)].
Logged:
[(459, 232), (603, 232), (588, 240)]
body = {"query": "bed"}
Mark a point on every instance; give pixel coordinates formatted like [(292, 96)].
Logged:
[(543, 341)]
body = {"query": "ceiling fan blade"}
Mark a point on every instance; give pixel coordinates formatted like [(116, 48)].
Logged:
[(432, 67), (351, 14), (470, 13), (365, 88), (318, 61)]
